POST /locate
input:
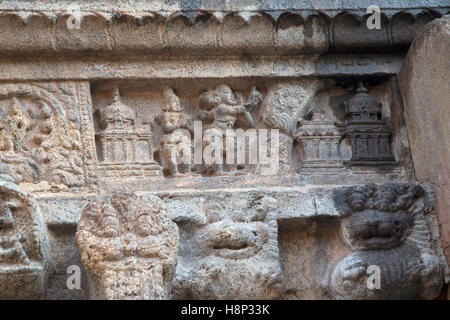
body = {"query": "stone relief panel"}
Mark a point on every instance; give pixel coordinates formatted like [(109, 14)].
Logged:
[(223, 110), (45, 134), (25, 261), (129, 247), (194, 131), (386, 227), (229, 250)]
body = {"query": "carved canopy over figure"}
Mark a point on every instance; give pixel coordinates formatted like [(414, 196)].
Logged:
[(129, 247), (175, 144), (386, 228)]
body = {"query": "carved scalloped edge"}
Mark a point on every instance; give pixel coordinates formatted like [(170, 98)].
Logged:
[(191, 17), (326, 25)]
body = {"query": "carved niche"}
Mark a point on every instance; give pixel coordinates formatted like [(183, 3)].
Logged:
[(386, 228), (41, 136), (24, 250), (232, 253), (369, 136), (129, 247), (320, 139), (123, 149)]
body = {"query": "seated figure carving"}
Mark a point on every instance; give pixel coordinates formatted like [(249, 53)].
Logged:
[(129, 247), (387, 229)]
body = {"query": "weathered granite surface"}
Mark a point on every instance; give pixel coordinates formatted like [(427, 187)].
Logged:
[(424, 87), (108, 128)]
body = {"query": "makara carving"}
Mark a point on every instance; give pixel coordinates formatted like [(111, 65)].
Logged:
[(129, 247), (24, 252), (231, 254), (386, 228)]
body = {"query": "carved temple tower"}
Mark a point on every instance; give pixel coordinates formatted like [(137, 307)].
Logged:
[(320, 139), (124, 150), (369, 136)]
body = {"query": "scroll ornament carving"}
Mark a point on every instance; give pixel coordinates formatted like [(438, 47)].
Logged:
[(129, 247), (386, 227), (284, 106)]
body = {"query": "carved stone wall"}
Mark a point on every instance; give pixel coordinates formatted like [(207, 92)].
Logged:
[(209, 150)]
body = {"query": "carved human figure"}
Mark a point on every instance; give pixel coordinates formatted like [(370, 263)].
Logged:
[(233, 254), (24, 255), (223, 108), (175, 144), (129, 247), (283, 107), (386, 228), (15, 127)]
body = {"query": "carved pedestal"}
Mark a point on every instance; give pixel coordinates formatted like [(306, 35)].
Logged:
[(320, 140)]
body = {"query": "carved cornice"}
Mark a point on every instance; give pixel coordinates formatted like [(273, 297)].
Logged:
[(125, 32)]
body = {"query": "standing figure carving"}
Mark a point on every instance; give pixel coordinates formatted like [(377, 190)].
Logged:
[(175, 145)]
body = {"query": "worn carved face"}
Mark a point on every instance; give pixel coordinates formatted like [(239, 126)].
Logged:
[(129, 247), (124, 231), (232, 256), (227, 95), (375, 229), (169, 119)]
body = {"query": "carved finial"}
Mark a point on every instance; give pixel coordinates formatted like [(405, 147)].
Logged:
[(171, 101), (361, 87), (116, 97)]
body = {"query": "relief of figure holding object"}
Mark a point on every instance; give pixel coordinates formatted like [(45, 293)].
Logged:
[(224, 108)]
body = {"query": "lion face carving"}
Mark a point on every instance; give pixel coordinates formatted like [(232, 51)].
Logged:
[(129, 241)]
